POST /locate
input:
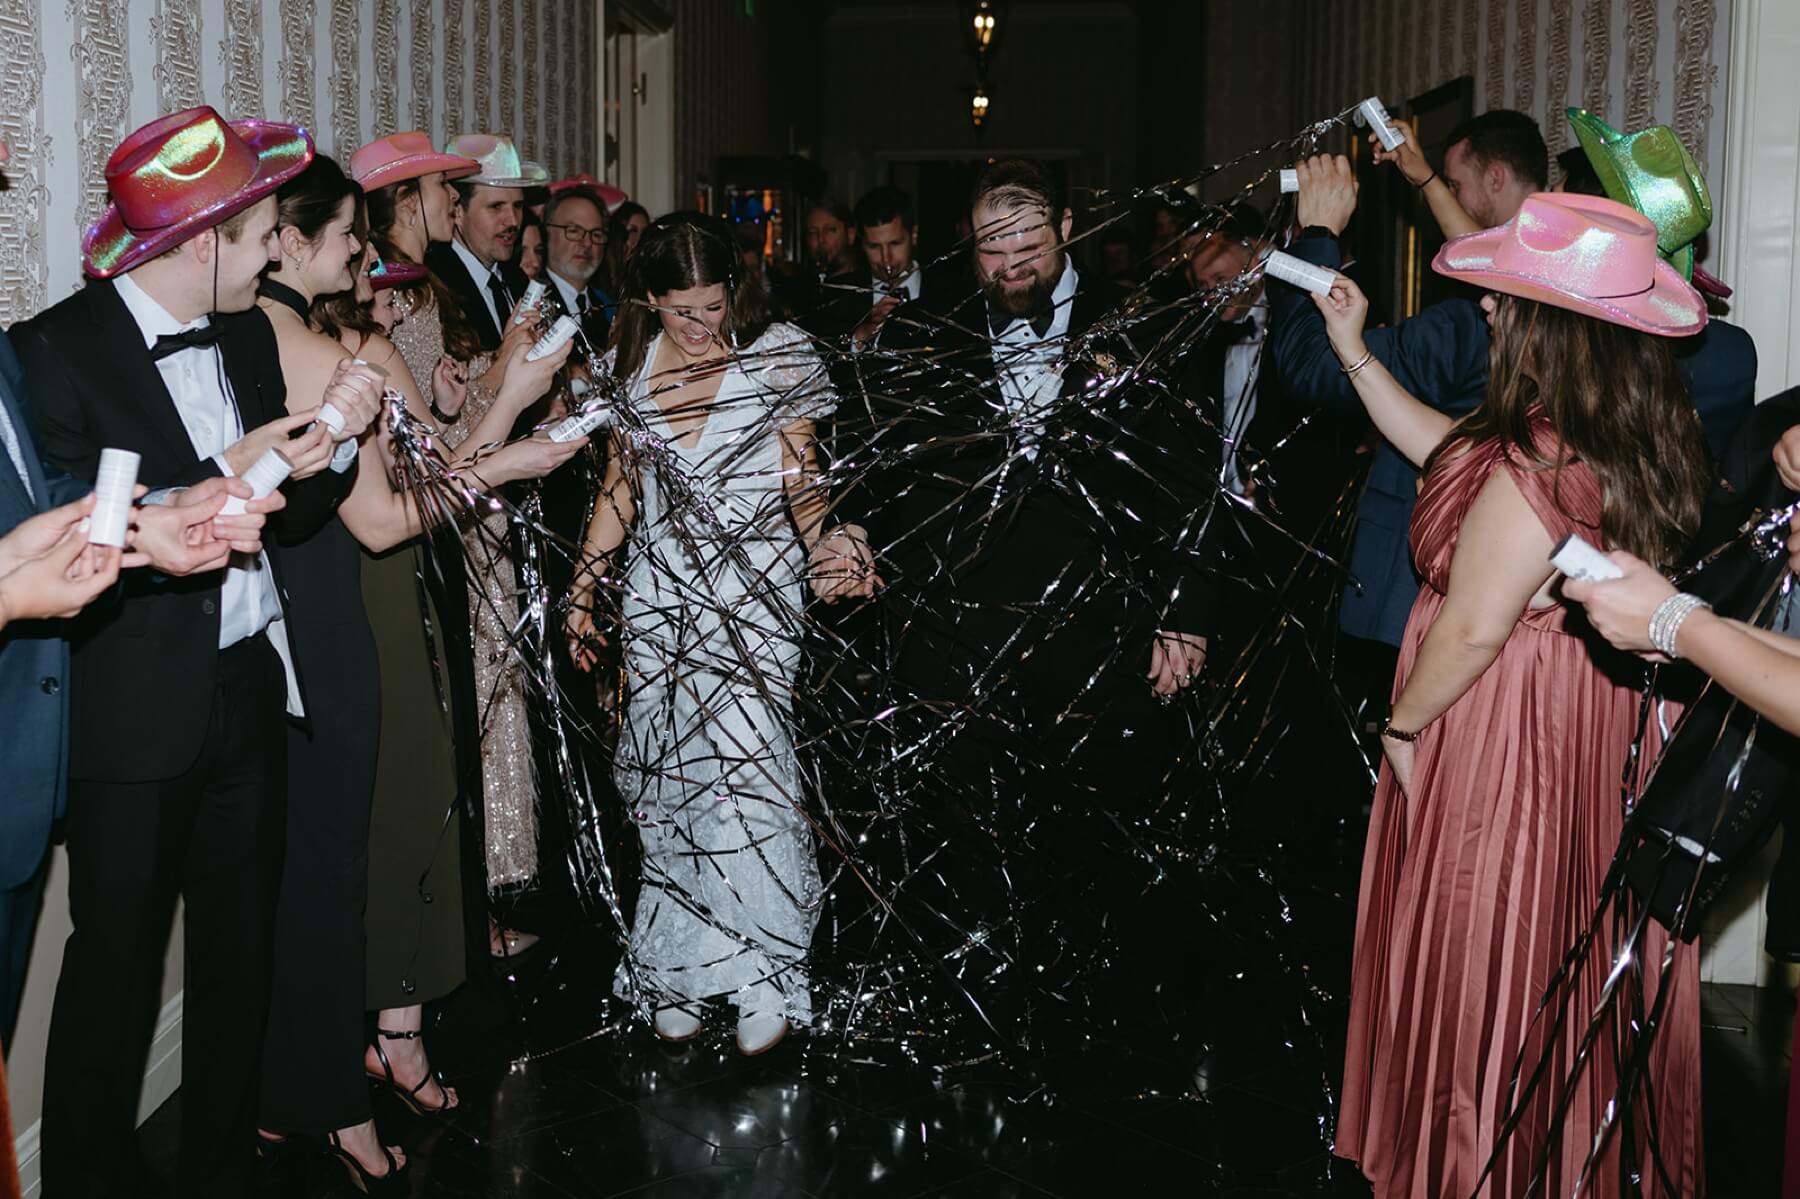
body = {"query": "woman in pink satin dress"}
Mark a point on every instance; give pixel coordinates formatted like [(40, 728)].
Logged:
[(1500, 800)]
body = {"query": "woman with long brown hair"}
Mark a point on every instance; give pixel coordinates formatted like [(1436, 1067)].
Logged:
[(1498, 808), (714, 486)]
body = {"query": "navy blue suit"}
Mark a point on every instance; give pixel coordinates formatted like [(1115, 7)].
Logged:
[(1441, 356), (34, 707)]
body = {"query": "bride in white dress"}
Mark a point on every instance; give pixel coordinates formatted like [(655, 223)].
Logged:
[(711, 489)]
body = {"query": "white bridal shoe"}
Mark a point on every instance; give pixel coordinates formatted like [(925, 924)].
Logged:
[(675, 1025), (759, 1032)]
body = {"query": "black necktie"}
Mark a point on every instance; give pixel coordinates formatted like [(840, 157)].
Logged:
[(503, 303), (581, 306), (187, 339)]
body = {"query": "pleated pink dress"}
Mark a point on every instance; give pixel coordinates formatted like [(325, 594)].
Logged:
[(1474, 890)]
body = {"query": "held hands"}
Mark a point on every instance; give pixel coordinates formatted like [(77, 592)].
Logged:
[(1327, 191), (585, 639), (1345, 309), (1620, 609), (355, 390), (310, 452), (1176, 660), (842, 566), (50, 569), (1406, 157)]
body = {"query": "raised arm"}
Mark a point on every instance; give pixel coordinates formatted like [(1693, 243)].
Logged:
[(1410, 161), (1440, 355), (1412, 427)]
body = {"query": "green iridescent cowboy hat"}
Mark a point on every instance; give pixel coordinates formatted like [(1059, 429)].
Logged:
[(1652, 171)]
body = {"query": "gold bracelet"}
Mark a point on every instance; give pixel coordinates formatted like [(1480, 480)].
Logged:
[(1351, 370)]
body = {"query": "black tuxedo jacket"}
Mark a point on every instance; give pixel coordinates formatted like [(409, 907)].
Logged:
[(1114, 502), (472, 293), (840, 303), (145, 658), (596, 326)]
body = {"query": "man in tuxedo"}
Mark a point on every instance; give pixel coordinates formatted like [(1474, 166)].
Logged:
[(830, 252), (39, 505), (575, 229), (889, 273), (1035, 512), (181, 686), (477, 263), (1230, 362)]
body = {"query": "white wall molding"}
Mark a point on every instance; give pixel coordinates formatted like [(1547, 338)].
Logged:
[(1759, 223), (161, 1079)]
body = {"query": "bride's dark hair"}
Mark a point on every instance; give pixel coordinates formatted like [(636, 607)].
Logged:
[(680, 251)]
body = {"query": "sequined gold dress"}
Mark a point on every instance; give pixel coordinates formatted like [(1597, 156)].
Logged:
[(509, 780)]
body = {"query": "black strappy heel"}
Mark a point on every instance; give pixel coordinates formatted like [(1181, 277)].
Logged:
[(409, 1097), (369, 1184)]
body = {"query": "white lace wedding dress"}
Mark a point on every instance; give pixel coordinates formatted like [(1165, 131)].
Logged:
[(705, 760)]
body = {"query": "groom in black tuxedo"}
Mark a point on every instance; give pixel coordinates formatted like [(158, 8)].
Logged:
[(1036, 511)]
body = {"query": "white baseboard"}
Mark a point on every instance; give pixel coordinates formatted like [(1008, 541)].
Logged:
[(162, 1075)]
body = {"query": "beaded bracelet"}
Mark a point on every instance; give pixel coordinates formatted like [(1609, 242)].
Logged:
[(1666, 621), (1394, 734)]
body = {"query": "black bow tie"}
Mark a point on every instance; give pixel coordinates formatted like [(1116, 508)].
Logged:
[(1232, 332), (188, 339), (1040, 324)]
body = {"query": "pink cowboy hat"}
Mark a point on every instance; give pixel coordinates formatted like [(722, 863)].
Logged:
[(1588, 254), (383, 274), (609, 195), (182, 174), (399, 157)]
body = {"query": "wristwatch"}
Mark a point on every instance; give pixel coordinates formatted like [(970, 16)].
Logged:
[(1318, 231)]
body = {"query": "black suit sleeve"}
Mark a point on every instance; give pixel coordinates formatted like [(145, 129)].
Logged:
[(1179, 452), (59, 420)]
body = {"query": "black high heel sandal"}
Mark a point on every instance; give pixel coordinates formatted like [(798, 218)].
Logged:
[(409, 1097), (369, 1184)]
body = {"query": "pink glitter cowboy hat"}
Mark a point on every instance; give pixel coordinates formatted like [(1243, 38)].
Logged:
[(384, 274), (609, 195), (1588, 254), (399, 157), (182, 174)]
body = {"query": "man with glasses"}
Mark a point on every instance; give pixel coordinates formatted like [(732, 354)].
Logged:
[(575, 246)]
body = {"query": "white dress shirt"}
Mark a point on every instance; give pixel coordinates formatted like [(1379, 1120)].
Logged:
[(909, 287), (14, 450), (481, 274), (1030, 367), (570, 295), (1238, 405), (195, 377)]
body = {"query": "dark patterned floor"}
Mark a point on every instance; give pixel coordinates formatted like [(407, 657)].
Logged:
[(552, 1111)]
